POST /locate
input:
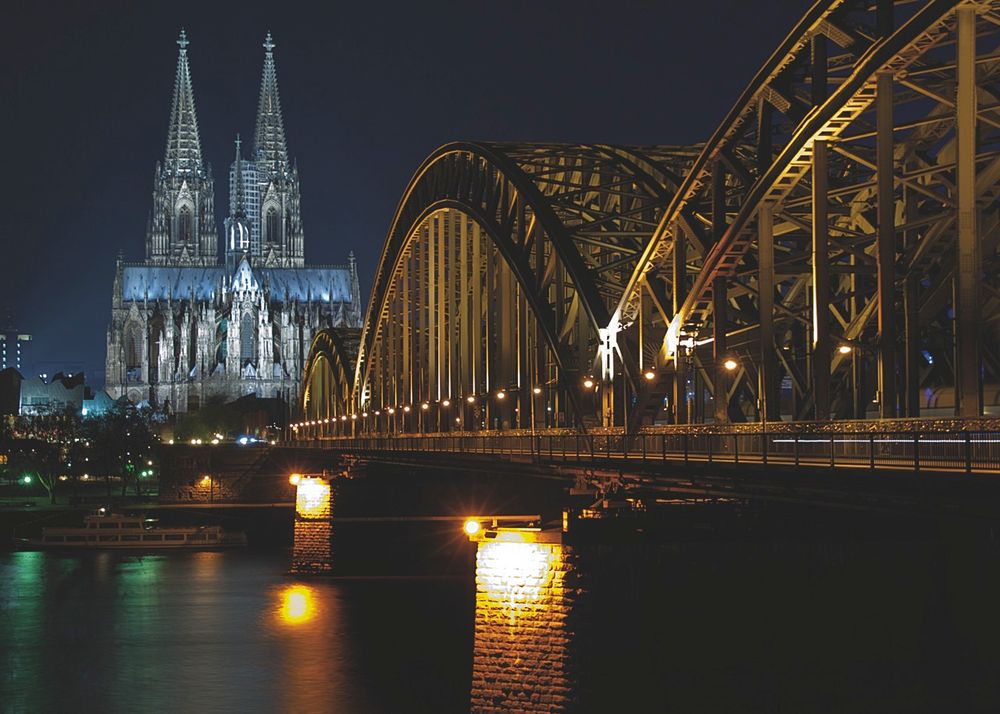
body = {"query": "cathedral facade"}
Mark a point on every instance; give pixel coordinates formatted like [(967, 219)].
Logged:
[(188, 324)]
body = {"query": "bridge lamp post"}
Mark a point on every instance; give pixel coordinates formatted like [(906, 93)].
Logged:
[(424, 408), (535, 391), (469, 414), (501, 398), (406, 411), (390, 419), (445, 403)]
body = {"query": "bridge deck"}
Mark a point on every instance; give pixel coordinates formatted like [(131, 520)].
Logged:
[(957, 452)]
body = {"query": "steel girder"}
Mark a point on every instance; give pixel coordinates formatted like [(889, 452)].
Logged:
[(851, 189), (569, 223)]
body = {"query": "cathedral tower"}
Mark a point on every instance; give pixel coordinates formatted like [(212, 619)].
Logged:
[(182, 226), (270, 183)]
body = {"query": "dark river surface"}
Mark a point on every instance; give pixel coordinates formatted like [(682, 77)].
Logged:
[(849, 625), (226, 632)]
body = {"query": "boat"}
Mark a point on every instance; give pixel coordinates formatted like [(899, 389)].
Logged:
[(103, 528)]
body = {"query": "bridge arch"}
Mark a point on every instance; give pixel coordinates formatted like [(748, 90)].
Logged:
[(327, 380), (810, 256), (497, 277)]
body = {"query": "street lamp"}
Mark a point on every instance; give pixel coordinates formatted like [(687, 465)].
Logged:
[(845, 349), (588, 383), (650, 375), (730, 364)]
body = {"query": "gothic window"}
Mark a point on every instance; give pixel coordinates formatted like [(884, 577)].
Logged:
[(133, 347), (133, 353), (271, 227), (184, 224), (248, 340)]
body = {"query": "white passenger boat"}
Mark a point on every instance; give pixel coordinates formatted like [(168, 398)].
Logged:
[(104, 529)]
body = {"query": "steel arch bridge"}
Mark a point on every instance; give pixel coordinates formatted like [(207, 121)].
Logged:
[(830, 251)]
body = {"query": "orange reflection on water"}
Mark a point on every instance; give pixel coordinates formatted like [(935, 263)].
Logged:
[(298, 605)]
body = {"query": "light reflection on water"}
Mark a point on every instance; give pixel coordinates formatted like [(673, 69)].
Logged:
[(219, 631)]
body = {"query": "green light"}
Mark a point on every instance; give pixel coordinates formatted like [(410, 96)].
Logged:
[(26, 479)]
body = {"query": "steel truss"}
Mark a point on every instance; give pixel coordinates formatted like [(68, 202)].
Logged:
[(502, 265), (838, 233), (832, 247)]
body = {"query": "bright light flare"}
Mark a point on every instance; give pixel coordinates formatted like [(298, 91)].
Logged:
[(730, 364), (844, 349), (472, 526), (650, 375), (294, 479)]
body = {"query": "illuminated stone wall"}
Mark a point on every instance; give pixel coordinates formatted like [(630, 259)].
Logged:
[(527, 604), (311, 552)]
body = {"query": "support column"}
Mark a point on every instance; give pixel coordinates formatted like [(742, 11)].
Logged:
[(679, 401), (967, 367), (768, 392), (720, 320), (885, 253), (820, 285), (720, 395), (312, 549)]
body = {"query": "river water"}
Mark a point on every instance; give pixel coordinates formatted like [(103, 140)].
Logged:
[(226, 632), (764, 626)]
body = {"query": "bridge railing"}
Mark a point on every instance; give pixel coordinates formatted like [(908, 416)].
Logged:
[(960, 451)]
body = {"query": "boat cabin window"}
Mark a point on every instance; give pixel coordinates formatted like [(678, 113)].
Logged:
[(109, 525), (177, 536), (152, 537)]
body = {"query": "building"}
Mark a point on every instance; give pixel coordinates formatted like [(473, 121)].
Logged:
[(13, 343), (188, 325)]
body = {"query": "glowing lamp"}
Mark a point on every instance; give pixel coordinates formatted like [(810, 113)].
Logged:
[(650, 375), (844, 349), (406, 409), (470, 399), (391, 410), (343, 418), (537, 390), (294, 479), (425, 406), (445, 403), (730, 364), (354, 416), (588, 383), (472, 526)]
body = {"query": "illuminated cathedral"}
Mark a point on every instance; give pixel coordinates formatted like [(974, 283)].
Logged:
[(188, 325)]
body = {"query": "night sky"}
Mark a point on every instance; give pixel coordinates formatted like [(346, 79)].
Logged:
[(368, 90)]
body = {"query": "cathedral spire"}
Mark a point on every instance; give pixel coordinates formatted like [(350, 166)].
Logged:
[(183, 144), (269, 140), (239, 210)]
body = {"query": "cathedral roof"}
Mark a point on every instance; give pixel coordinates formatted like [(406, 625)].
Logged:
[(160, 282)]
